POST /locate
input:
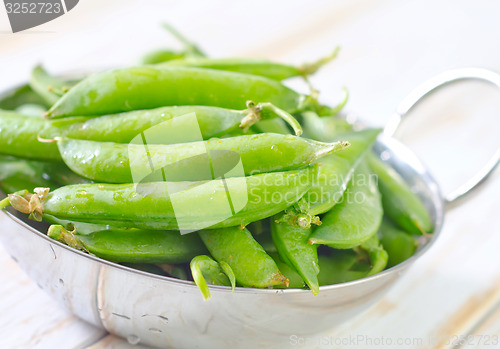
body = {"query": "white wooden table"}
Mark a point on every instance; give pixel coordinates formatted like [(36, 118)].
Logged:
[(388, 47)]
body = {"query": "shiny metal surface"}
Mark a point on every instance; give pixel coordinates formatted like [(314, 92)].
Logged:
[(166, 312), (428, 87)]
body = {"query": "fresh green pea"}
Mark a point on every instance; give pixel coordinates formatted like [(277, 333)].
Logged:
[(399, 245), (133, 245), (212, 122), (336, 170), (400, 203), (295, 280), (19, 137), (293, 248), (251, 265), (205, 270), (150, 87), (267, 152), (48, 87), (20, 96), (188, 205), (356, 218), (254, 66)]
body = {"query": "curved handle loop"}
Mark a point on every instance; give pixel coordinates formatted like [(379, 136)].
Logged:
[(432, 85)]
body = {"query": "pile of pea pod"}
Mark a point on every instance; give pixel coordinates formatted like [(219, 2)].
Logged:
[(311, 205)]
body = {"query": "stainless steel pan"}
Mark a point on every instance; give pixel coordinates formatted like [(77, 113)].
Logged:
[(166, 312)]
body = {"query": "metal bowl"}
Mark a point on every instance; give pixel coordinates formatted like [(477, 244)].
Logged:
[(167, 312)]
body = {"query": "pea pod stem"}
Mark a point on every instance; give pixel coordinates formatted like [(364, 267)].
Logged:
[(190, 48), (251, 66), (5, 203), (311, 68), (218, 273), (59, 233), (266, 111)]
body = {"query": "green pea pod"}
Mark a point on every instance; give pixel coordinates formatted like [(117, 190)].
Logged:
[(33, 110), (336, 170), (48, 87), (272, 126), (16, 175), (324, 128), (20, 96), (161, 56), (254, 66), (174, 270), (348, 265), (251, 265), (133, 245), (82, 227), (295, 280), (399, 245), (171, 206), (212, 122), (376, 253), (265, 240), (400, 203), (19, 137), (150, 87), (119, 163), (61, 174), (293, 248), (205, 270), (356, 218), (338, 268)]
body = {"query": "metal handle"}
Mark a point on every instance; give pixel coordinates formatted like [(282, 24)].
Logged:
[(432, 85)]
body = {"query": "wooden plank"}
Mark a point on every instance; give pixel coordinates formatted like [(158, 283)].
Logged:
[(31, 319), (486, 334)]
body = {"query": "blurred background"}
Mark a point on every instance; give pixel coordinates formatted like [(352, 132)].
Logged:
[(388, 47)]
